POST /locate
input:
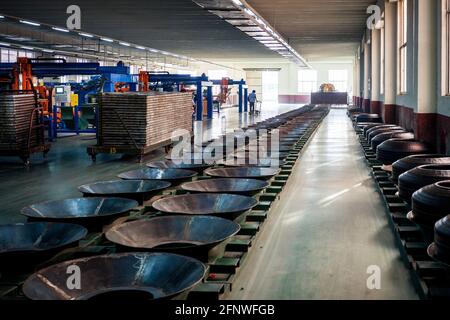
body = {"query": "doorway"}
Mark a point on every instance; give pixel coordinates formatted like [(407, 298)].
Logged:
[(270, 87)]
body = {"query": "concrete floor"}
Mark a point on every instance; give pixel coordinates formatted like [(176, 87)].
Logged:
[(68, 165), (328, 228)]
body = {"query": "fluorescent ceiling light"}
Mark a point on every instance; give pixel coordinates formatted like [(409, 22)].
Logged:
[(27, 48), (5, 44), (47, 50), (263, 38), (273, 45), (60, 29), (140, 48), (107, 39), (2, 17), (153, 50), (237, 2), (86, 35), (30, 23), (269, 42), (124, 44)]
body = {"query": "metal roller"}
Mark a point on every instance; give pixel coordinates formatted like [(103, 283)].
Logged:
[(128, 276)]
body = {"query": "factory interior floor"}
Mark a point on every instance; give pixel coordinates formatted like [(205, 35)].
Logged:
[(318, 242), (69, 166), (328, 228)]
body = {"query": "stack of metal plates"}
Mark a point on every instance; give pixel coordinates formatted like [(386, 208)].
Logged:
[(15, 116), (143, 119)]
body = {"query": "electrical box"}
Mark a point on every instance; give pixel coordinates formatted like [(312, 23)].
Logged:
[(63, 95)]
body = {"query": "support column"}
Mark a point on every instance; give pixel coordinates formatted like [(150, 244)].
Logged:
[(358, 80), (210, 102), (426, 129), (375, 103), (240, 96), (390, 62), (366, 101)]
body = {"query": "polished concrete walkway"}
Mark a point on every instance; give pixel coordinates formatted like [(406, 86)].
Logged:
[(328, 228), (68, 165)]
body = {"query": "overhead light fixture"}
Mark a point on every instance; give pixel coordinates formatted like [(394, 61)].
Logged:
[(86, 35), (30, 23), (237, 2), (273, 45), (153, 50), (107, 39), (2, 17), (47, 50), (60, 29), (269, 42), (263, 38), (4, 44), (124, 44), (140, 48), (27, 48)]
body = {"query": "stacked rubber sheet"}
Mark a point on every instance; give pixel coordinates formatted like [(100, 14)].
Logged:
[(139, 119), (15, 120)]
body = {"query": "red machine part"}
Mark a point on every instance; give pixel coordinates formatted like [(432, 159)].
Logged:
[(144, 80), (224, 91)]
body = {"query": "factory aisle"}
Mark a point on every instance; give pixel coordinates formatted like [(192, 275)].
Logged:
[(328, 228), (68, 166)]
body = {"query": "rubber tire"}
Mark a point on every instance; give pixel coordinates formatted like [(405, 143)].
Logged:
[(374, 133), (379, 139), (394, 149), (408, 163), (419, 177), (377, 127)]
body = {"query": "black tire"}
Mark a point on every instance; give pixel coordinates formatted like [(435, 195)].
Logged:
[(394, 149), (431, 203), (369, 118), (374, 133), (377, 127), (379, 139), (419, 177), (405, 164)]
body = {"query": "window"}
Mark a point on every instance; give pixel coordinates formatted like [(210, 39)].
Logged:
[(445, 47), (307, 81), (339, 78), (382, 56), (217, 74), (402, 32)]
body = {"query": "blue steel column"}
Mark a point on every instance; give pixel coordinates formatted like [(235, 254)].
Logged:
[(199, 110), (210, 102), (240, 97), (245, 99)]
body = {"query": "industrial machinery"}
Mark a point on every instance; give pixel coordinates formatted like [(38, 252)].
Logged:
[(72, 104)]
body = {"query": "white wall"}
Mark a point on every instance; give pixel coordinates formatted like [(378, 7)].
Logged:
[(323, 68)]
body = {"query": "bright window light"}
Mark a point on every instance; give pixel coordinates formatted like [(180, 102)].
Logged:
[(30, 23)]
